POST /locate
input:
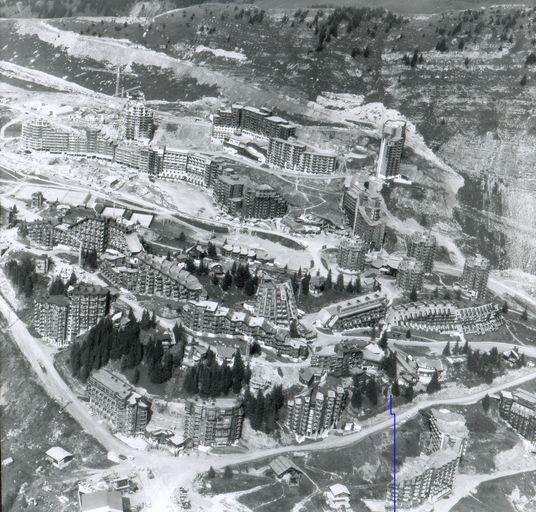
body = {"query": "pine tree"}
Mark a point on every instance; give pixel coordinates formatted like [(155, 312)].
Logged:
[(227, 281), (227, 473), (249, 287), (446, 350), (486, 403), (456, 349), (293, 329), (504, 308), (73, 279), (339, 285), (238, 372), (349, 287), (382, 343), (465, 348), (357, 399), (395, 389), (524, 315), (408, 334), (434, 384), (372, 392), (358, 287), (410, 393), (413, 295), (328, 284), (211, 474)]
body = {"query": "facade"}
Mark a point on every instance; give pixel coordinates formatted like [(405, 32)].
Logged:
[(422, 247), (391, 149), (445, 316), (431, 477), (410, 275), (207, 317), (213, 423), (263, 202), (518, 408), (88, 304), (351, 254), (229, 192), (256, 123), (276, 302), (338, 359), (361, 311), (293, 155), (315, 411), (139, 121), (365, 211), (115, 401), (475, 275), (51, 318)]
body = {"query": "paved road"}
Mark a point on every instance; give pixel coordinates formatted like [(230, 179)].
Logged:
[(171, 471)]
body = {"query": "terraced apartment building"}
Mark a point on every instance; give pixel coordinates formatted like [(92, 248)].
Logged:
[(215, 422), (518, 408), (316, 410), (114, 400)]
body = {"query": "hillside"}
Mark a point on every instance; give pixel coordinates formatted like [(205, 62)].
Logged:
[(465, 80)]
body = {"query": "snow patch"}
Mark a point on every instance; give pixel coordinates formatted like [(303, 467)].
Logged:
[(225, 54)]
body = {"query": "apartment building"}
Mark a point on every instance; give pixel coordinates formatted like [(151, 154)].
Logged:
[(361, 311), (315, 411), (518, 408), (338, 359), (410, 275), (475, 275), (114, 400), (229, 192), (139, 121), (251, 121), (51, 318), (422, 247), (263, 202), (429, 477), (276, 302), (213, 422), (87, 305), (365, 211), (391, 149), (158, 276), (293, 155), (351, 254), (207, 317)]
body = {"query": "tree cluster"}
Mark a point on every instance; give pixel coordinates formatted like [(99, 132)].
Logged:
[(263, 411), (105, 342), (434, 384), (90, 259), (241, 277), (484, 364), (208, 378), (22, 275)]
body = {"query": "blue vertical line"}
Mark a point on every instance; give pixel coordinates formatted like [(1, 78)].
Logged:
[(393, 414)]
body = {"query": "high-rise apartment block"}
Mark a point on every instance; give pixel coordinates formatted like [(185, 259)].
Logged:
[(391, 149), (422, 247), (263, 202), (60, 319), (475, 275), (238, 196), (139, 121), (365, 211), (430, 476), (213, 422), (88, 304), (316, 410), (351, 254), (276, 302), (410, 275), (114, 400), (51, 318), (518, 408)]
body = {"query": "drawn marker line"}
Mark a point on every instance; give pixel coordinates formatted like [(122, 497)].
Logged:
[(393, 414)]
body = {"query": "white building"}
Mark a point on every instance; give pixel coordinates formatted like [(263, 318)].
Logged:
[(338, 497)]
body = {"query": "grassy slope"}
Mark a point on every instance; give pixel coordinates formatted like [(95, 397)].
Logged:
[(31, 424)]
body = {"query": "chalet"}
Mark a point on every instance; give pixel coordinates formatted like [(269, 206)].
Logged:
[(338, 497), (59, 457), (284, 469)]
